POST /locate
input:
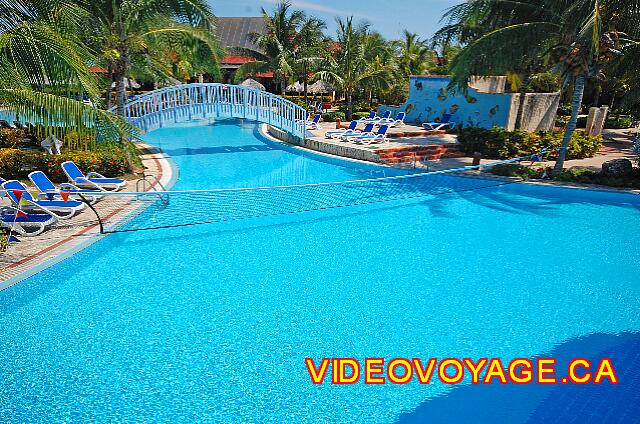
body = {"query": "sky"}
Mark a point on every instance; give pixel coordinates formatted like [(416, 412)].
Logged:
[(385, 16)]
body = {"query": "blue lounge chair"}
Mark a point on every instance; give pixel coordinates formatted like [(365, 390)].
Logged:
[(379, 137), (386, 115), (398, 121), (92, 180), (48, 190), (372, 116), (341, 132), (313, 125), (58, 208), (435, 126), (27, 224), (368, 129)]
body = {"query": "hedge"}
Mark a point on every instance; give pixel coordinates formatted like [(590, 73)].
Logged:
[(108, 160), (331, 116), (613, 122), (498, 143)]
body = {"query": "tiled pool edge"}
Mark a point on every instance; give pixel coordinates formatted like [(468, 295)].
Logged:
[(74, 243)]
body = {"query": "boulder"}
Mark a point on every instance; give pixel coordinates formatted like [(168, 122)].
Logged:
[(617, 167)]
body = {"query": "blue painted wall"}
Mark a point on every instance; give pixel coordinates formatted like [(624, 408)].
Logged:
[(429, 99)]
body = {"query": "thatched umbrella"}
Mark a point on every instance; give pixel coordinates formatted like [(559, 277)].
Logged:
[(129, 83), (296, 87), (251, 83), (321, 87)]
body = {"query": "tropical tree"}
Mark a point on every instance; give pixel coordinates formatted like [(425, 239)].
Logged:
[(277, 44), (126, 31), (309, 50), (43, 68), (577, 38), (414, 55), (350, 69)]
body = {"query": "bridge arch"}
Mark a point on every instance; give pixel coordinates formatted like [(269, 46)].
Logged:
[(181, 103)]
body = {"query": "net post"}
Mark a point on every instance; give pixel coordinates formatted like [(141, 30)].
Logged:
[(84, 199)]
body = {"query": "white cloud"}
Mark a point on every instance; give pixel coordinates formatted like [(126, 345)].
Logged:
[(319, 7)]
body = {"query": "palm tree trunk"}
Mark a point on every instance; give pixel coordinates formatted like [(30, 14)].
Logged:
[(523, 97), (306, 91), (350, 104), (109, 93), (121, 93), (121, 66), (305, 82), (576, 102)]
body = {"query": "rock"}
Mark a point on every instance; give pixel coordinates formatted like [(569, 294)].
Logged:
[(617, 167)]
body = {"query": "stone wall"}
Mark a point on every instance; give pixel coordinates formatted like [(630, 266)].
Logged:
[(539, 111), (319, 146)]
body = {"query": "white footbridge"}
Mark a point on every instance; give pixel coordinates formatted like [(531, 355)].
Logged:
[(186, 102)]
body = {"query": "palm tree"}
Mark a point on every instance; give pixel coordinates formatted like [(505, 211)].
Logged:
[(43, 65), (414, 55), (126, 30), (277, 44), (350, 69), (567, 34), (309, 50)]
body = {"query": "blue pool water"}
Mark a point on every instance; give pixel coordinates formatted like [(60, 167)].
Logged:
[(212, 323)]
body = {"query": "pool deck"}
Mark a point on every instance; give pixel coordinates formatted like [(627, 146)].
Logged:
[(410, 145), (33, 254), (406, 144)]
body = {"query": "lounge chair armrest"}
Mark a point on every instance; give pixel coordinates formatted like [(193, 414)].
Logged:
[(95, 175), (46, 194), (45, 210), (82, 180), (68, 186)]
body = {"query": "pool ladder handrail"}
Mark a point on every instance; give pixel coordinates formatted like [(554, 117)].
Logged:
[(153, 182)]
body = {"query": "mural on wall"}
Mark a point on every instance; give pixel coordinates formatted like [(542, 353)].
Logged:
[(429, 99)]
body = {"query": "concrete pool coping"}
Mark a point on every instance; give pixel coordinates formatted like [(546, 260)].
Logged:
[(34, 254)]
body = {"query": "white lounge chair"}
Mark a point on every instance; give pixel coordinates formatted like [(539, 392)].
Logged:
[(48, 190), (61, 209), (435, 126), (26, 224), (368, 129), (341, 132), (92, 180), (379, 137)]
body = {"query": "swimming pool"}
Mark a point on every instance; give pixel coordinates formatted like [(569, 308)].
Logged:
[(213, 322)]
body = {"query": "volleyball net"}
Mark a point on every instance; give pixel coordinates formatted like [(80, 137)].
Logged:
[(135, 211)]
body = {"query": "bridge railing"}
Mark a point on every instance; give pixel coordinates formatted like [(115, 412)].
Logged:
[(186, 102)]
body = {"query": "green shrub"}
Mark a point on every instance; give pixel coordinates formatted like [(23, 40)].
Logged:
[(612, 122), (562, 121), (515, 170), (4, 239), (12, 139), (360, 114), (11, 163), (587, 176), (109, 160), (618, 122), (332, 116), (499, 143)]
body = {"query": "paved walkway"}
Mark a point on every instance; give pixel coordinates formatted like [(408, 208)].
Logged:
[(32, 253)]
